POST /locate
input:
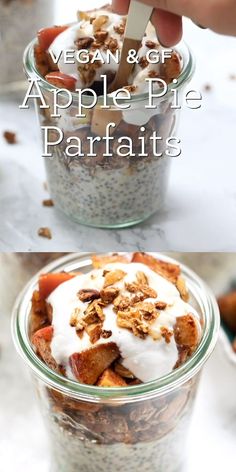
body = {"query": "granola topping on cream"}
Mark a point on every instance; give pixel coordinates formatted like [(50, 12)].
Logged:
[(127, 304)]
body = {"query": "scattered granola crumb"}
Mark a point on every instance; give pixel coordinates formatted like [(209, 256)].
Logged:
[(207, 87), (106, 333), (45, 233), (10, 137), (166, 334), (48, 202)]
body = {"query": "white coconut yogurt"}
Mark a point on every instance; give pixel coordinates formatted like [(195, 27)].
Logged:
[(147, 358)]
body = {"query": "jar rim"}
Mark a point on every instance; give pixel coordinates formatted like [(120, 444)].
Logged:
[(198, 289), (185, 76)]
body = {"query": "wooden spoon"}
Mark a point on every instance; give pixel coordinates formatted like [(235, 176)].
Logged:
[(137, 21)]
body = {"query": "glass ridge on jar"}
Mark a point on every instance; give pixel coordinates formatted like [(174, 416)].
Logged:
[(110, 191), (143, 426)]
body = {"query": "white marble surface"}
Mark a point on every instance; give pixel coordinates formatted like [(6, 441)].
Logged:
[(200, 211), (23, 443)]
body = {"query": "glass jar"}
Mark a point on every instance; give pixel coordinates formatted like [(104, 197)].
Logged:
[(142, 427), (112, 191), (19, 21)]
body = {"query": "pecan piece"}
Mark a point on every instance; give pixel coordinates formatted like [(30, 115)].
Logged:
[(166, 334), (143, 62), (83, 43), (94, 331), (108, 294), (160, 305), (106, 333), (88, 294), (141, 278), (101, 36), (113, 276), (150, 44)]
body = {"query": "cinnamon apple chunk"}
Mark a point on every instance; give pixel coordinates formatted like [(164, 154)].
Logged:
[(187, 336), (41, 340), (109, 378), (166, 269), (87, 366)]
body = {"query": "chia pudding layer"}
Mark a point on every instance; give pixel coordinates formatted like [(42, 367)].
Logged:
[(19, 19), (74, 453), (103, 196)]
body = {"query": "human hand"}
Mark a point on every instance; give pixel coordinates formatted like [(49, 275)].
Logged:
[(218, 15)]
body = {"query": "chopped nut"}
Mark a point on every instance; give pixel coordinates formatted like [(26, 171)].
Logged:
[(141, 278), (111, 44), (108, 294), (45, 233), (10, 137), (143, 62), (182, 288), (94, 312), (83, 43), (121, 303), (120, 29), (87, 295), (166, 334), (147, 291), (133, 320), (113, 276), (101, 36), (94, 331), (48, 202), (76, 320), (99, 22), (147, 311), (160, 305), (106, 333), (150, 44), (140, 328)]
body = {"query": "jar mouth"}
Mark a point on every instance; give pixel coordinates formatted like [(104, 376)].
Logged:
[(185, 76), (174, 379)]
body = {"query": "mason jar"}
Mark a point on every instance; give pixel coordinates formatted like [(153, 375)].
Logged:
[(140, 427), (19, 21), (114, 191)]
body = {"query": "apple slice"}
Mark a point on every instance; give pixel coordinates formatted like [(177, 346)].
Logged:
[(187, 334), (88, 365), (42, 341), (109, 378), (166, 269), (100, 261)]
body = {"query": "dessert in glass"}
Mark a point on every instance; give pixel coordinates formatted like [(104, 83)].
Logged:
[(19, 19), (116, 344), (120, 187)]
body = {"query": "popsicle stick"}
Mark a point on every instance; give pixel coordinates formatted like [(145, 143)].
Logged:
[(138, 18)]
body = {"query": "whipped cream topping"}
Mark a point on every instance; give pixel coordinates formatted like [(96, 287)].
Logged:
[(147, 359), (84, 29)]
